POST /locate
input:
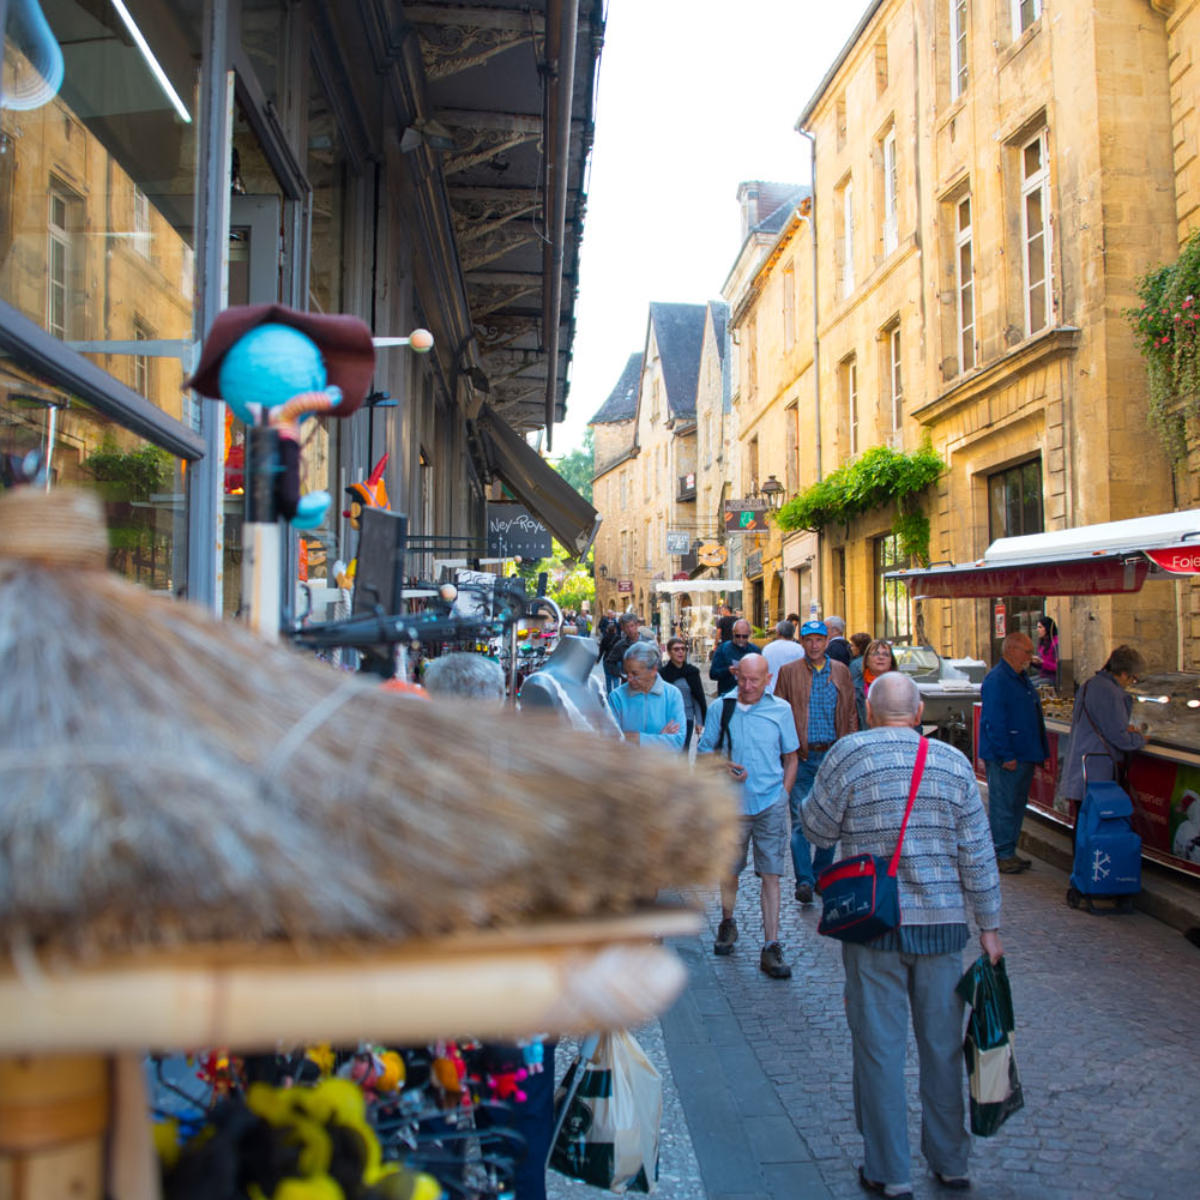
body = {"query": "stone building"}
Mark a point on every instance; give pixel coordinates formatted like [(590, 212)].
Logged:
[(648, 474), (769, 289), (991, 180)]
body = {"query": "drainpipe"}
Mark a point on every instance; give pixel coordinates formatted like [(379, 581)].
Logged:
[(811, 138), (566, 19)]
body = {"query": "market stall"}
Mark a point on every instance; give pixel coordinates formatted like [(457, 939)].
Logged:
[(1111, 558)]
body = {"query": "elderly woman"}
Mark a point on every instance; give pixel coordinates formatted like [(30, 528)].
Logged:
[(877, 659), (683, 675), (648, 710), (1100, 723)]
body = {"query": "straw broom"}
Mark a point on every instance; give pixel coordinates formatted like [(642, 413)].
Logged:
[(166, 779)]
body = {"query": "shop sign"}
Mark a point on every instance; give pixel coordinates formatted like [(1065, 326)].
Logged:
[(678, 542), (711, 554), (625, 586), (514, 532), (754, 566), (1000, 620), (1177, 561), (746, 516)]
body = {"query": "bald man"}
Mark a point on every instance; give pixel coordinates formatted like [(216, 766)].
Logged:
[(946, 866), (758, 734), (1012, 741)]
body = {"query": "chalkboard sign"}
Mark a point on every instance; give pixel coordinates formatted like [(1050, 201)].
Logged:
[(514, 532)]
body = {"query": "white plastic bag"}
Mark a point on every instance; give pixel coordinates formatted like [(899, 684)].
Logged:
[(609, 1137)]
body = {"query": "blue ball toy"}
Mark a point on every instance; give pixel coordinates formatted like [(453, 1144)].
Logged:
[(267, 367)]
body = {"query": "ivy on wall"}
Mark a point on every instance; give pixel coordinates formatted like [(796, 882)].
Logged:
[(872, 481), (1165, 326)]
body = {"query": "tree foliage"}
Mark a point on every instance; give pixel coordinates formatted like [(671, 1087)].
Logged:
[(568, 584), (576, 467)]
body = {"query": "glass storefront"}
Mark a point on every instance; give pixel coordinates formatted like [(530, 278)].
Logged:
[(98, 172), (141, 484), (97, 187)]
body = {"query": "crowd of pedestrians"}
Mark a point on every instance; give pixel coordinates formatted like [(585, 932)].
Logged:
[(821, 733)]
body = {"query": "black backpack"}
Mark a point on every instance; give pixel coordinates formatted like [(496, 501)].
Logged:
[(728, 704)]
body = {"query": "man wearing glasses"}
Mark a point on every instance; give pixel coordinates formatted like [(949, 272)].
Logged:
[(1012, 741), (725, 660)]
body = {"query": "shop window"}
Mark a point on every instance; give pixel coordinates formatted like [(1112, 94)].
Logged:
[(1015, 509), (121, 137), (140, 484), (893, 619)]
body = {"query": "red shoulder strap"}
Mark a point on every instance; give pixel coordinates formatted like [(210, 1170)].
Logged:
[(918, 771)]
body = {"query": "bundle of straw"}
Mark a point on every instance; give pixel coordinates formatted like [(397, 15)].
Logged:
[(165, 777)]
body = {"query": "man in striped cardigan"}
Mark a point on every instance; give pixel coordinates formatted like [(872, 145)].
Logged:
[(947, 864)]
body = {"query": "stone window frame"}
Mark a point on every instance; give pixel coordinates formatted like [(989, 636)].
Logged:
[(1025, 14)]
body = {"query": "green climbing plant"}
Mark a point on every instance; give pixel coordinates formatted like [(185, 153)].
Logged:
[(875, 479), (1165, 326)]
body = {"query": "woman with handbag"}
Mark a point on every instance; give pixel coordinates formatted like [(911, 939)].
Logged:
[(1101, 723)]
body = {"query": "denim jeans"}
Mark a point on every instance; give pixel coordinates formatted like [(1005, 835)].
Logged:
[(1007, 793), (881, 985), (805, 863)]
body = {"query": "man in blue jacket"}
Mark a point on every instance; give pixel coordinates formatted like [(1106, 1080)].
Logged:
[(727, 656), (1012, 741)]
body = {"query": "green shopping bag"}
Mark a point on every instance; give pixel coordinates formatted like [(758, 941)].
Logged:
[(988, 1047)]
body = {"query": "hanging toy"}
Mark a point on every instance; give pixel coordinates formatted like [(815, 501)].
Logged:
[(505, 1085), (275, 367), (371, 493)]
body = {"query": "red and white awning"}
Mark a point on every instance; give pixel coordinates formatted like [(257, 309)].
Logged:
[(1091, 560)]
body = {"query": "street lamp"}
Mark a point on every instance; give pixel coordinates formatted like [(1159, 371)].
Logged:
[(772, 492)]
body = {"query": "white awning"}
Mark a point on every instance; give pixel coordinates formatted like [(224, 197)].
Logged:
[(675, 586)]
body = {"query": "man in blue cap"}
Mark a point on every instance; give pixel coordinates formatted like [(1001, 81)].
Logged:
[(821, 694)]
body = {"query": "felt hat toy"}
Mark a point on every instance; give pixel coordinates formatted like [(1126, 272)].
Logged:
[(344, 342)]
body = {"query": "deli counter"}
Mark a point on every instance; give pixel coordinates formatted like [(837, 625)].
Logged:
[(1164, 776)]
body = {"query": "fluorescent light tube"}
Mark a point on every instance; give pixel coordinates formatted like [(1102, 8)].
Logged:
[(151, 61)]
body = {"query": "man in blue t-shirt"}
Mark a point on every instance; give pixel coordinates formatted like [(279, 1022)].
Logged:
[(759, 735)]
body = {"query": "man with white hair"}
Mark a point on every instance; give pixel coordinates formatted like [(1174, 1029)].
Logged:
[(757, 732), (470, 676), (947, 863), (784, 649), (648, 710), (838, 648)]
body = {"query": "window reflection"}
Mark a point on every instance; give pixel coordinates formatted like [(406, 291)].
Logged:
[(141, 484), (96, 192)]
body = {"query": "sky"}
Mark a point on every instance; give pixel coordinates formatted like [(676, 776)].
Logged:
[(694, 97)]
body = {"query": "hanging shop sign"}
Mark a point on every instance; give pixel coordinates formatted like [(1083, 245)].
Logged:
[(754, 565), (625, 586), (745, 516), (711, 554), (514, 532), (1000, 620), (678, 542)]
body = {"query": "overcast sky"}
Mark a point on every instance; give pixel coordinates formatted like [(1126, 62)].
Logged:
[(694, 97)]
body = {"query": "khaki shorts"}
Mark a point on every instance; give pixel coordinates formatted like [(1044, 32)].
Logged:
[(768, 830)]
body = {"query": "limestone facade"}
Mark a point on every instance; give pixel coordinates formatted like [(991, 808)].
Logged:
[(986, 198)]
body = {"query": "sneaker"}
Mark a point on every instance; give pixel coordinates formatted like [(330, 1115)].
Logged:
[(897, 1191), (1011, 865), (726, 936), (953, 1183), (771, 962), (804, 893)]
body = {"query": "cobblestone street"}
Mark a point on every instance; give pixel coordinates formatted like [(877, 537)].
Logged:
[(1105, 1043)]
